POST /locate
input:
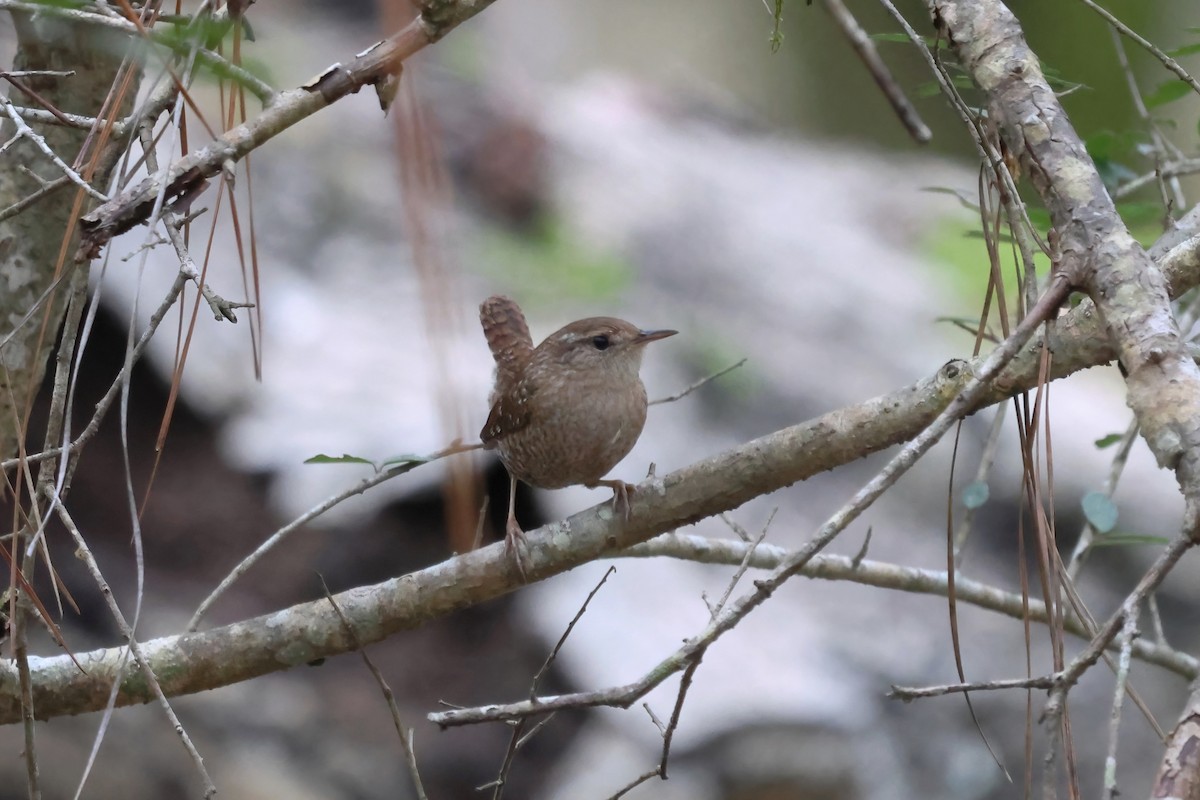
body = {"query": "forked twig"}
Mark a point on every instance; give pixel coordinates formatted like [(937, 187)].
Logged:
[(406, 737)]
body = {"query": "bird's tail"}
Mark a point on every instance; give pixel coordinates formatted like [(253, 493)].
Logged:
[(506, 331)]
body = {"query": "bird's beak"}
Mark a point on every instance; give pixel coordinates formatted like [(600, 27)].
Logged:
[(652, 336)]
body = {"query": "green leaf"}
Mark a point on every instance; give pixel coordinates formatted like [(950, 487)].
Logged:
[(902, 38), (1100, 511), (321, 458), (976, 494), (1109, 441), (1167, 92), (1115, 539), (1186, 50), (406, 458)]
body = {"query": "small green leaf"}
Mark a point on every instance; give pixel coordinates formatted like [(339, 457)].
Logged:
[(321, 458), (976, 494), (1116, 539), (1109, 441), (1100, 511), (1186, 50), (1167, 93), (902, 38), (406, 458)]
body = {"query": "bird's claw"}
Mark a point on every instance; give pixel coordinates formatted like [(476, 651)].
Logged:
[(620, 499), (514, 538)]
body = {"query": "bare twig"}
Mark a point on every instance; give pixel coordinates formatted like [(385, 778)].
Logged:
[(140, 659), (1087, 535), (1168, 62), (909, 693), (209, 59), (714, 610), (483, 509), (867, 53), (1128, 634), (1169, 169), (986, 460), (1160, 142), (685, 683), (46, 189), (633, 784), (857, 560), (189, 175), (406, 736), (28, 132), (682, 394), (897, 578), (516, 740), (278, 536)]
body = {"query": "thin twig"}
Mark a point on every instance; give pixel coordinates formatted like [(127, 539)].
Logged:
[(83, 552), (857, 560), (1160, 142), (633, 784), (986, 460), (1168, 62), (278, 536), (867, 53), (698, 384), (213, 61), (1128, 634), (1169, 169), (40, 143), (1087, 535), (46, 189), (895, 577), (909, 693), (406, 736), (685, 683), (741, 570), (477, 542), (516, 740)]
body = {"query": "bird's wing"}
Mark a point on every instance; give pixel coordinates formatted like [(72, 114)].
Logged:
[(510, 413), (507, 333)]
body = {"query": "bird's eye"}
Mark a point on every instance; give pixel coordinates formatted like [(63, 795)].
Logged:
[(600, 342)]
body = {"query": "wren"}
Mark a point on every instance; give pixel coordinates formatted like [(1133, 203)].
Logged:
[(564, 412)]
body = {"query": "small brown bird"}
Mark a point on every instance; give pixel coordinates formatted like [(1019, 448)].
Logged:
[(567, 411)]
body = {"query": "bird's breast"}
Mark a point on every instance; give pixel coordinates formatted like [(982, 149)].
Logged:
[(576, 432)]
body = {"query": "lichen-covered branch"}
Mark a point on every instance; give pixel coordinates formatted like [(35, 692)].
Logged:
[(1097, 250)]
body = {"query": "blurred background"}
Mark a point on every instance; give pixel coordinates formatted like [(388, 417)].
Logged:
[(656, 162)]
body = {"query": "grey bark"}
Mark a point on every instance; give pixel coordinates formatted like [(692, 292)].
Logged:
[(37, 244)]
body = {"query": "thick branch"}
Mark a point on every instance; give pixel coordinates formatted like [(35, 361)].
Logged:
[(1179, 773), (194, 662), (31, 242), (899, 578), (1097, 249)]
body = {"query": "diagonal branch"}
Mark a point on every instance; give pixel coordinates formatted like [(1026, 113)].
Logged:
[(189, 176), (1099, 253)]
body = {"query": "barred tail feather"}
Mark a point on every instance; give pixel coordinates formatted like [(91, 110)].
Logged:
[(507, 333)]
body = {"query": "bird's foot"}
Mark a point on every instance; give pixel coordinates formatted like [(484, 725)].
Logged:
[(620, 501), (514, 539)]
